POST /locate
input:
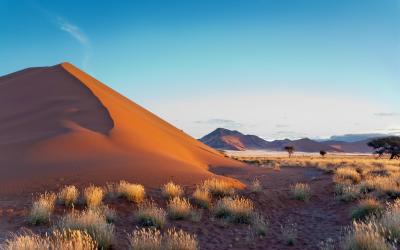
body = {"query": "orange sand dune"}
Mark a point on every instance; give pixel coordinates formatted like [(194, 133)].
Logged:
[(59, 125)]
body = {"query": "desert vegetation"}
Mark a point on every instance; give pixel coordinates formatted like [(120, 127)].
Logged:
[(171, 190), (179, 208), (93, 196), (301, 191), (132, 192), (149, 215), (68, 195), (42, 208)]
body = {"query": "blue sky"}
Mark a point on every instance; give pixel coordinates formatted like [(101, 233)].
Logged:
[(276, 68)]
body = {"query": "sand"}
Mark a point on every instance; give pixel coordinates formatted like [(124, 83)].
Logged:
[(58, 125)]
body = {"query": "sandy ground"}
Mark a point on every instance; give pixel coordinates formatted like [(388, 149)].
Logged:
[(321, 218)]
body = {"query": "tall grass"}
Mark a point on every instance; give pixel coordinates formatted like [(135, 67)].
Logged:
[(42, 208), (179, 208), (179, 240), (171, 190), (219, 187), (68, 195), (236, 209), (145, 239), (132, 192), (149, 215), (201, 196), (301, 191), (93, 196)]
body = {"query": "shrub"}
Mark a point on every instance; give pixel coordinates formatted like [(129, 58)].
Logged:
[(60, 240), (365, 236), (179, 240), (93, 196), (68, 195), (238, 210), (347, 192), (149, 215), (289, 233), (91, 221), (42, 209), (171, 190), (202, 197), (219, 187), (366, 208), (178, 208), (256, 186), (347, 173), (145, 239), (301, 191), (132, 192)]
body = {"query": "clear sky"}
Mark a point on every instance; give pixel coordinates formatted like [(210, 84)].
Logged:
[(275, 68)]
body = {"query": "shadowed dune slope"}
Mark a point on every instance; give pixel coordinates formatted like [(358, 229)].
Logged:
[(59, 125)]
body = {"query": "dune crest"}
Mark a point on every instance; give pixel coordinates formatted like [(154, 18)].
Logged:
[(61, 124)]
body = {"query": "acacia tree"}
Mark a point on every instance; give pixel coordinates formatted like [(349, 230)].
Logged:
[(386, 145), (290, 150), (322, 153)]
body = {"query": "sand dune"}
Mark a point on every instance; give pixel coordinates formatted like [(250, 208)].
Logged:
[(59, 125)]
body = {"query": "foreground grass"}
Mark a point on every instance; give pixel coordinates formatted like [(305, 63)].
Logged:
[(42, 208)]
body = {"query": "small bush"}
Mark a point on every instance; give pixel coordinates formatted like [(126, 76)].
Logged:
[(179, 240), (238, 210), (256, 186), (347, 192), (202, 197), (219, 188), (171, 190), (60, 240), (145, 239), (365, 236), (289, 233), (42, 209), (68, 195), (178, 208), (149, 215), (91, 221), (132, 192), (366, 208), (347, 173), (93, 196), (301, 191)]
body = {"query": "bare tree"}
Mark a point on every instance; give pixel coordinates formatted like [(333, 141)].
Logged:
[(290, 150)]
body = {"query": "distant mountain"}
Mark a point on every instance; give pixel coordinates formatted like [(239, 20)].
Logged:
[(350, 147), (226, 139), (222, 138), (355, 137)]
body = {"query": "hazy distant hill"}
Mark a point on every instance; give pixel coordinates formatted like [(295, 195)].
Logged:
[(355, 137), (222, 138)]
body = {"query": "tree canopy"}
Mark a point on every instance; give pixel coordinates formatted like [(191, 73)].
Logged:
[(386, 145)]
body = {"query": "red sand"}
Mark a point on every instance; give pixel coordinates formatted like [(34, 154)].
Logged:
[(59, 125)]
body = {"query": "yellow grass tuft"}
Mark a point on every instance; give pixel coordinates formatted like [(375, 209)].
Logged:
[(236, 209), (178, 208), (42, 209), (179, 240), (365, 236), (366, 208), (145, 239), (68, 195), (347, 173), (301, 191), (92, 221), (149, 215), (219, 187), (171, 190), (132, 192), (93, 196), (201, 196)]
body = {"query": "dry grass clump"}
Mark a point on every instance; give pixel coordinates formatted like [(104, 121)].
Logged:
[(289, 233), (301, 191), (68, 195), (347, 173), (149, 215), (384, 185), (60, 240), (219, 187), (171, 190), (91, 221), (42, 209), (178, 208), (179, 240), (347, 192), (256, 186), (390, 221), (201, 196), (366, 208), (151, 239), (236, 209), (93, 196), (365, 236), (145, 239), (259, 225), (132, 192)]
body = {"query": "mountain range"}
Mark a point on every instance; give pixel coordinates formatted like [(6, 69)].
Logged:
[(226, 139)]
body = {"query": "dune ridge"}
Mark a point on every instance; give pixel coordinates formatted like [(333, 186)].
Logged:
[(60, 125)]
